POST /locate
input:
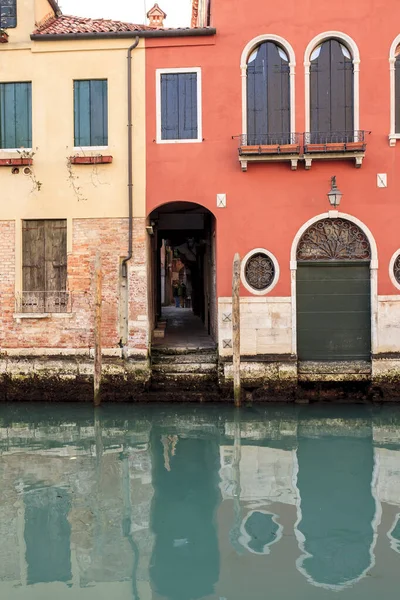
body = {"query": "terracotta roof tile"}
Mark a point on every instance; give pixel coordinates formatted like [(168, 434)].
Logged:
[(66, 24)]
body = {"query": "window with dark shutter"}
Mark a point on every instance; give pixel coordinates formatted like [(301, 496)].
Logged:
[(44, 265), (331, 91), (397, 91), (8, 14), (15, 115), (91, 113), (268, 95), (179, 106)]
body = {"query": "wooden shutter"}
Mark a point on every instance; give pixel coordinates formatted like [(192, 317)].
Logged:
[(56, 265), (187, 83), (55, 255), (98, 113), (91, 112), (268, 96), (15, 115), (179, 106), (331, 90), (8, 14), (397, 94), (82, 113), (33, 253), (44, 263)]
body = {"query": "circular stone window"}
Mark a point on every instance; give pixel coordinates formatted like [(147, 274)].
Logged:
[(394, 269), (259, 271)]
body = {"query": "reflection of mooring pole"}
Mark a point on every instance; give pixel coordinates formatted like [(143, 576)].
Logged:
[(97, 331), (237, 454), (237, 393), (127, 521)]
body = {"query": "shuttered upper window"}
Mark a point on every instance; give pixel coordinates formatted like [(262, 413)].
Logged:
[(268, 95), (397, 90), (331, 89), (15, 115), (91, 113), (178, 110), (8, 14)]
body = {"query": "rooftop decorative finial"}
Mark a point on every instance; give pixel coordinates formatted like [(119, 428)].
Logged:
[(156, 17)]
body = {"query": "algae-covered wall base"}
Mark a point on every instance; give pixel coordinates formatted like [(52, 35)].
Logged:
[(70, 378)]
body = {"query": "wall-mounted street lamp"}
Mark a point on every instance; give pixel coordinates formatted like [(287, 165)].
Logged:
[(334, 194)]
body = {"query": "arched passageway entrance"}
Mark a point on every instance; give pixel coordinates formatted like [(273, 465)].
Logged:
[(183, 275), (333, 292)]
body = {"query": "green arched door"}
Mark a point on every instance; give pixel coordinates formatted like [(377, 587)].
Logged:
[(333, 292)]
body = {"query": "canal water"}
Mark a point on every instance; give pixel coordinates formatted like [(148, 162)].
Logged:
[(184, 502)]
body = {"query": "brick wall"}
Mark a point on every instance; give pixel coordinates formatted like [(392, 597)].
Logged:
[(75, 330)]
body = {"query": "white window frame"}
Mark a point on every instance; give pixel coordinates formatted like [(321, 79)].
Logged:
[(160, 72), (393, 136), (252, 45), (391, 269), (275, 280), (352, 47)]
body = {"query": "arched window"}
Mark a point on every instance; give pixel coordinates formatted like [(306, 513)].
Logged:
[(397, 89), (331, 89), (394, 60), (268, 95), (268, 90)]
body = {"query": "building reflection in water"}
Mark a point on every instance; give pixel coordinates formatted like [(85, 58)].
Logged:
[(197, 504), (338, 509), (185, 558), (46, 519)]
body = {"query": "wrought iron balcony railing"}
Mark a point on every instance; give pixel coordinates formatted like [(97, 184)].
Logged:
[(43, 302), (268, 143), (335, 141)]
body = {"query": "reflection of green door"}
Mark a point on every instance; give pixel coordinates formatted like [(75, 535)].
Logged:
[(337, 508), (333, 310)]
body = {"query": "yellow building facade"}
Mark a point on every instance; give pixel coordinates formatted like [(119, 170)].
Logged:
[(73, 185)]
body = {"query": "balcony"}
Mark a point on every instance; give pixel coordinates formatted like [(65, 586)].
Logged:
[(337, 145), (43, 302), (292, 147), (269, 147)]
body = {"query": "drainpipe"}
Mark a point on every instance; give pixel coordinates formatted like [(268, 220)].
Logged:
[(130, 171)]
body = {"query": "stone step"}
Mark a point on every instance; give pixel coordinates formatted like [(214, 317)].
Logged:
[(184, 381), (175, 367), (184, 351), (162, 359)]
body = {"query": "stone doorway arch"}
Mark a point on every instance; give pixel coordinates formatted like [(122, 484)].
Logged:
[(334, 270)]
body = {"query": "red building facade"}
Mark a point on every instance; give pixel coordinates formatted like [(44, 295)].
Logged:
[(283, 99)]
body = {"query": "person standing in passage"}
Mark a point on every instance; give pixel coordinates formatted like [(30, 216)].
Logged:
[(175, 293), (182, 294)]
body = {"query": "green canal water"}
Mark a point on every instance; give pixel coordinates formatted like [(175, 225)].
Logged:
[(184, 502)]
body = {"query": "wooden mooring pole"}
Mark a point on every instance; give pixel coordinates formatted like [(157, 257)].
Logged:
[(237, 392), (97, 330)]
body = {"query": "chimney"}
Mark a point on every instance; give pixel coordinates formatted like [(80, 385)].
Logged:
[(156, 17)]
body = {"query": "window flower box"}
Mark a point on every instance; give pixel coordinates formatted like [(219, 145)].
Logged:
[(289, 149), (354, 146), (16, 162), (91, 160)]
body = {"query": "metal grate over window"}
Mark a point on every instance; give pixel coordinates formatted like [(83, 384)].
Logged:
[(396, 269), (259, 271)]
